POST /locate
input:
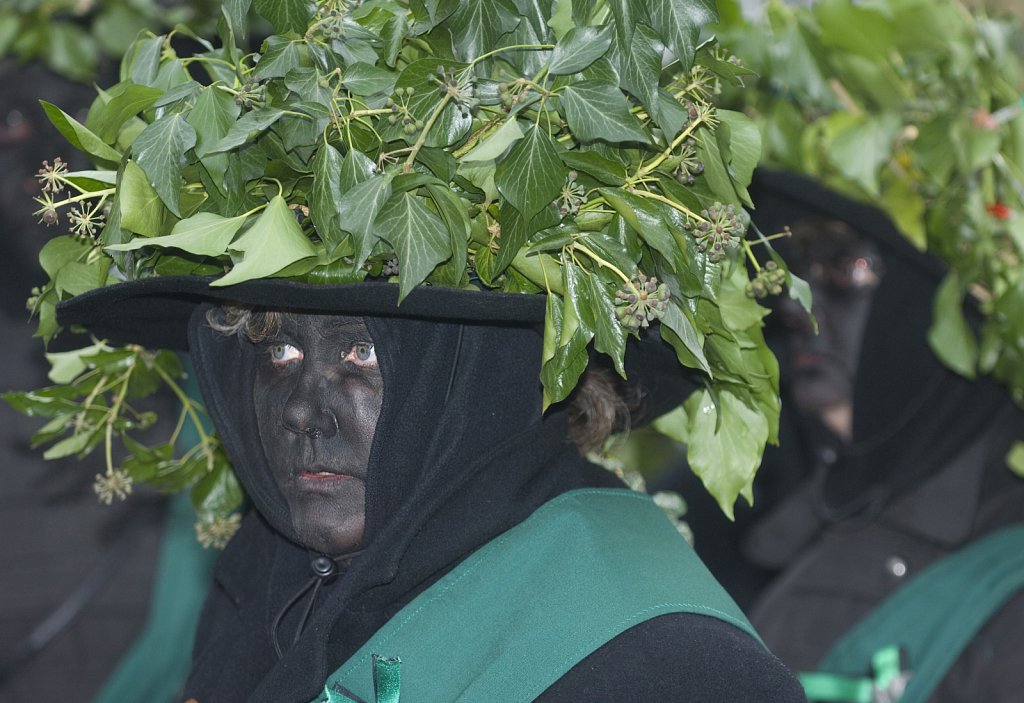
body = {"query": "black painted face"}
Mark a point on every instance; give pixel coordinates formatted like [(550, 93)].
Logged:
[(843, 269), (317, 395)]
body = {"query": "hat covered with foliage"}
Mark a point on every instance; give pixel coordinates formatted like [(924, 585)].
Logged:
[(561, 160)]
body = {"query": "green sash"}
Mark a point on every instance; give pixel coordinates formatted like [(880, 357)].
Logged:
[(528, 606), (930, 620)]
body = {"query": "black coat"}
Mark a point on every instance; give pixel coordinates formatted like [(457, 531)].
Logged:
[(461, 454)]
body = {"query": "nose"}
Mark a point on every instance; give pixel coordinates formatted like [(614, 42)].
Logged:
[(307, 411)]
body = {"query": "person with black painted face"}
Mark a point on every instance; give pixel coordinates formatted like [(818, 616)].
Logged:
[(420, 526), (905, 476)]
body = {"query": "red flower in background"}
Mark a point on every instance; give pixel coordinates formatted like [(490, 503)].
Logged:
[(999, 210)]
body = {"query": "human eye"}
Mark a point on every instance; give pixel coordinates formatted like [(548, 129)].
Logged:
[(283, 353), (362, 354)]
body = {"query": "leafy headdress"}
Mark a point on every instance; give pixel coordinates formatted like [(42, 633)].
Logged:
[(560, 160)]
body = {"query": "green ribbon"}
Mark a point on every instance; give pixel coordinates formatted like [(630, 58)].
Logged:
[(886, 686), (387, 684), (387, 678)]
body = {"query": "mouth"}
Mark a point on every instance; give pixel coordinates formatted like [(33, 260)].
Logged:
[(322, 473)]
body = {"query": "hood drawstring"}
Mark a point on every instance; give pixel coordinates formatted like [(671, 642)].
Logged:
[(324, 570)]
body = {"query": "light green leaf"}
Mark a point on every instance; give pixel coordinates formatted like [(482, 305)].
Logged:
[(355, 168), (80, 137), (142, 210), (906, 208), (273, 242), (68, 446), (744, 145), (532, 175), (561, 18), (727, 459), (60, 251), (205, 234), (160, 152), (950, 337), (496, 143), (65, 367), (597, 109), (1015, 458), (579, 48), (419, 237), (127, 100)]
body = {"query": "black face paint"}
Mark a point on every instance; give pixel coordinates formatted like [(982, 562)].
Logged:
[(843, 269), (317, 395)]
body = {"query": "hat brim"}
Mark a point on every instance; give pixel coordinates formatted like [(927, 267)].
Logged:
[(154, 312)]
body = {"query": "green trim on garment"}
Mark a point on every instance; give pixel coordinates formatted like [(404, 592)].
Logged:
[(930, 620), (525, 608)]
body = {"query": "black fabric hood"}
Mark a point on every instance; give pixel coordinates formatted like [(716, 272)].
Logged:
[(461, 453), (911, 413)]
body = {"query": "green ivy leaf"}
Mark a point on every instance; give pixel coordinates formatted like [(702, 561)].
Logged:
[(496, 143), (477, 27), (678, 23), (274, 241), (364, 79), (679, 331), (358, 209), (142, 210), (247, 128), (212, 117), (725, 443), (285, 15), (597, 110), (419, 237), (80, 137), (280, 56), (645, 218), (160, 152), (609, 335), (325, 197), (950, 337), (204, 234), (126, 101), (579, 48), (639, 64), (593, 164), (531, 175)]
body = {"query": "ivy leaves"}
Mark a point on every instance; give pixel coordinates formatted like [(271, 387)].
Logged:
[(536, 148)]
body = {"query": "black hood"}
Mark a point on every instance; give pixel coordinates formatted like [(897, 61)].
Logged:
[(461, 453), (911, 413)]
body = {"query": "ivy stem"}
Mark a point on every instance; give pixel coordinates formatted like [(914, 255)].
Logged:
[(653, 164), (575, 246), (112, 416), (411, 159), (188, 406), (85, 196), (750, 255), (514, 47)]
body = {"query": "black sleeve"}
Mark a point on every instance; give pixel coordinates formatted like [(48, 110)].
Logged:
[(679, 657)]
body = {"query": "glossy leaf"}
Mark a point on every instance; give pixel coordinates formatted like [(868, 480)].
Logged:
[(531, 175), (204, 234), (419, 237), (597, 110), (160, 152), (579, 48), (274, 241)]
